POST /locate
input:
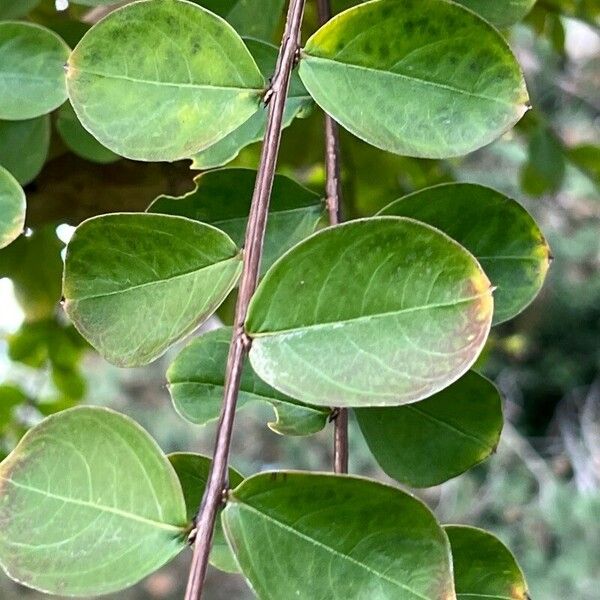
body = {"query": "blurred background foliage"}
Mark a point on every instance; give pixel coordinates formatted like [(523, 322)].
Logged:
[(541, 491)]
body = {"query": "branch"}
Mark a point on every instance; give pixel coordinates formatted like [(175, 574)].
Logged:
[(240, 343), (334, 195)]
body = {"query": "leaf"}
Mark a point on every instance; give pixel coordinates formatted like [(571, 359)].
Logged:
[(253, 130), (421, 78), (193, 471), (375, 312), (196, 383), (32, 77), (134, 284), (201, 84), (497, 230), (222, 198), (294, 533), (90, 505), (24, 147), (484, 568), (500, 14), (545, 169), (12, 208), (80, 141), (11, 396), (250, 18), (586, 158), (431, 441), (15, 9)]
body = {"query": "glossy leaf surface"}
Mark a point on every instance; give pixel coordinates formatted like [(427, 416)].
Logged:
[(136, 283), (193, 471), (222, 198), (197, 378), (80, 141), (161, 80), (501, 13), (32, 75), (253, 129), (428, 442), (497, 230), (89, 505), (375, 312), (24, 147), (421, 78), (294, 533), (12, 208), (484, 568)]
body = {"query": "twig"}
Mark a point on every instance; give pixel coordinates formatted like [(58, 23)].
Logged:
[(333, 189), (240, 343)]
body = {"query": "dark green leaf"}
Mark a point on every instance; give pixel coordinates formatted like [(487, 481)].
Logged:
[(222, 198), (498, 231), (24, 147), (14, 9), (193, 471), (90, 505), (587, 158), (32, 81), (544, 171), (134, 284), (253, 130), (501, 13), (307, 536), (201, 84), (80, 141), (431, 441), (375, 312), (484, 568), (196, 381), (421, 78), (11, 396), (12, 208)]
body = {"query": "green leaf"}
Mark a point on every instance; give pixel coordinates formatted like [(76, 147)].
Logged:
[(15, 9), (32, 76), (24, 147), (431, 441), (11, 396), (12, 208), (222, 198), (80, 141), (498, 231), (545, 169), (375, 312), (484, 568), (250, 18), (134, 284), (586, 158), (253, 130), (503, 13), (201, 84), (193, 471), (421, 78), (301, 535), (90, 505), (197, 378)]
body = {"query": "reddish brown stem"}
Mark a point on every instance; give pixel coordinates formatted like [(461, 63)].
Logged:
[(334, 195), (240, 343)]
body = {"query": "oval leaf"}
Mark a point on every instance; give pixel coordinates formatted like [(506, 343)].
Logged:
[(12, 208), (134, 284), (294, 533), (202, 84), (24, 147), (197, 380), (193, 471), (498, 231), (484, 568), (222, 198), (500, 13), (90, 505), (80, 141), (32, 77), (253, 130), (431, 441), (375, 312), (421, 78)]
